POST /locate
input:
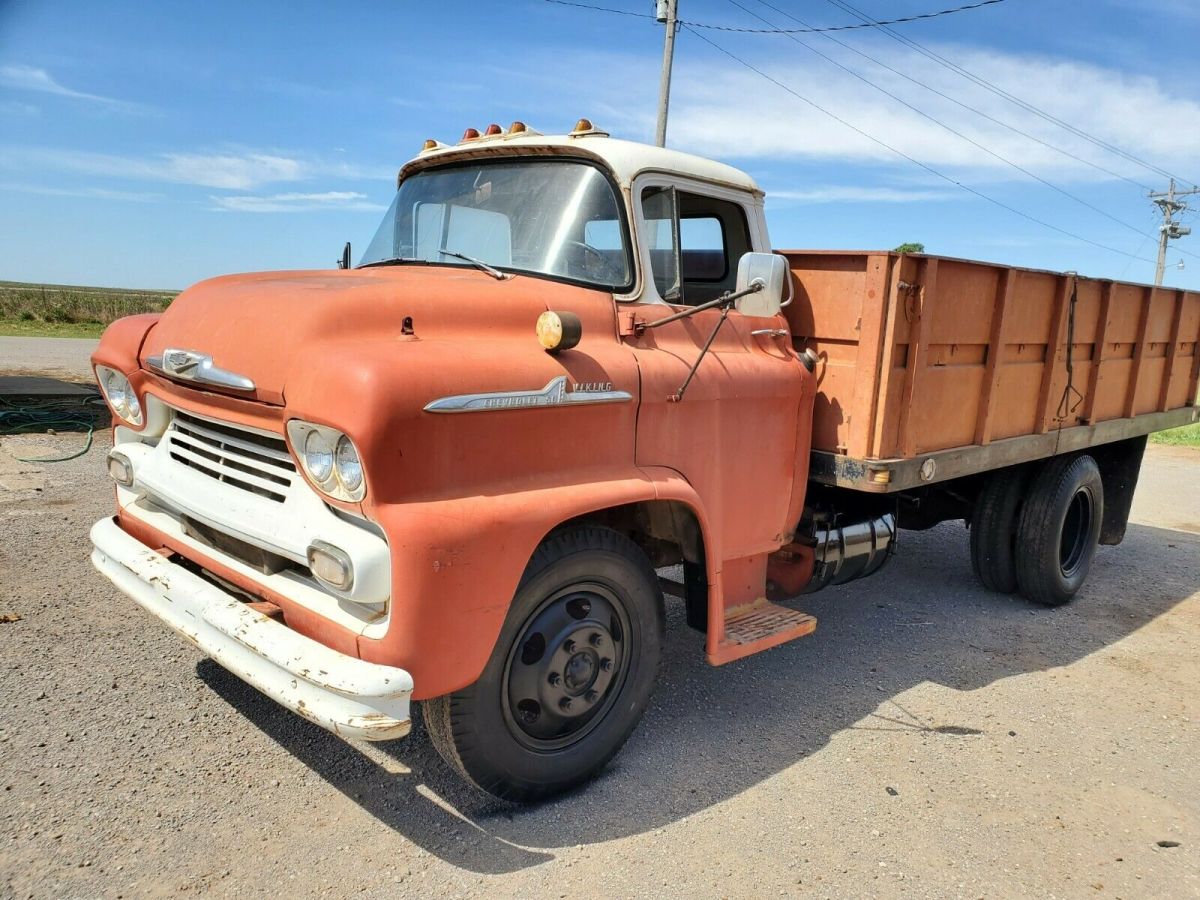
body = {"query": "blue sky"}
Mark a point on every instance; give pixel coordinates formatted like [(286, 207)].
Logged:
[(152, 145)]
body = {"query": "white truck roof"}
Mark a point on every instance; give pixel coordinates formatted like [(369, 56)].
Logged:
[(626, 159)]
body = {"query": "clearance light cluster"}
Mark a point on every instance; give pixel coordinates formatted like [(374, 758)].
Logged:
[(329, 458), (583, 128)]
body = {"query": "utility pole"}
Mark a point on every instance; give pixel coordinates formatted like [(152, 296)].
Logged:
[(666, 11), (1170, 230)]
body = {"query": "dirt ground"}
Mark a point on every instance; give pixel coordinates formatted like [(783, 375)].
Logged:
[(930, 740)]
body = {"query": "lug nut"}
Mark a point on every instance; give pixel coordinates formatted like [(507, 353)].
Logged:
[(564, 704), (595, 639), (569, 645), (590, 696), (554, 678), (606, 664)]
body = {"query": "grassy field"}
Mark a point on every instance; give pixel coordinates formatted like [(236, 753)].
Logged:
[(59, 310), (1187, 436)]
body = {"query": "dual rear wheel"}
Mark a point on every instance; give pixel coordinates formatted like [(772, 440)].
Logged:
[(1036, 531)]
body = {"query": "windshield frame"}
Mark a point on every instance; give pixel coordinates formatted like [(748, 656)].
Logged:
[(623, 220)]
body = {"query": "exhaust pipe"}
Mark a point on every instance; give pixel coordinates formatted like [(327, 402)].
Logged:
[(852, 551)]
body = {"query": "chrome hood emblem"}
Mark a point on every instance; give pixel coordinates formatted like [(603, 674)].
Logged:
[(192, 365), (553, 394)]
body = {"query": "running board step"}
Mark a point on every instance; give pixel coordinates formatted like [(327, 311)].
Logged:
[(760, 626)]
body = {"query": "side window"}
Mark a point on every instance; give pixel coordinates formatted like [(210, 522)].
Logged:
[(695, 243), (702, 248)]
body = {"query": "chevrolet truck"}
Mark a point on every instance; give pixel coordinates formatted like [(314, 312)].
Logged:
[(461, 471)]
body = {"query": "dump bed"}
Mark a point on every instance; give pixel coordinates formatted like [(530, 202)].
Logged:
[(931, 368)]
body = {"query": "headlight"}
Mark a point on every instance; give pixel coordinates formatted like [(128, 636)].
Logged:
[(329, 458), (318, 456), (120, 395), (349, 469)]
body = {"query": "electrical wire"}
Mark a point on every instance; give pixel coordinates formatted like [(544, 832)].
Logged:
[(974, 143), (966, 106), (806, 30), (916, 162), (60, 414), (995, 89)]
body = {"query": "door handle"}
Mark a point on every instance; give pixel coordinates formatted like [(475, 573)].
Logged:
[(774, 332)]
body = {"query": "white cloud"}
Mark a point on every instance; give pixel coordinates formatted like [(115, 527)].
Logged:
[(735, 112), (31, 78), (297, 202), (721, 109), (98, 193), (855, 194), (235, 170)]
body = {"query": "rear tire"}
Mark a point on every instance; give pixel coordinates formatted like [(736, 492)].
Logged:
[(994, 529), (571, 674), (1058, 529)]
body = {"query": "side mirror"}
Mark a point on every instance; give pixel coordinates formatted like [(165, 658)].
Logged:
[(772, 270)]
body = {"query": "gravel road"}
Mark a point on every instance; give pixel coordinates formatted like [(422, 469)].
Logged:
[(930, 740), (65, 358)]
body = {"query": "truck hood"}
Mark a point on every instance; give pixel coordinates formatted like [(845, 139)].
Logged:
[(264, 326)]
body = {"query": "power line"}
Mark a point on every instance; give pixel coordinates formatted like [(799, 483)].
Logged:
[(966, 106), (903, 155), (870, 23), (995, 89), (1017, 166)]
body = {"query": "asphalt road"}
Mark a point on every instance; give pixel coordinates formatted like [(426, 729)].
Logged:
[(930, 740), (65, 358)]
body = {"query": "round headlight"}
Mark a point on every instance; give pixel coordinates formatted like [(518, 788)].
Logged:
[(318, 456), (120, 395), (349, 469)]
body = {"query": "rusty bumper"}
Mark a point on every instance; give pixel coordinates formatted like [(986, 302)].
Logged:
[(350, 697)]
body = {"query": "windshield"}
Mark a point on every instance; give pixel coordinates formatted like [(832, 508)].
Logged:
[(550, 217)]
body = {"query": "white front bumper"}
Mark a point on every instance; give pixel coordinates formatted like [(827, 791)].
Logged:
[(348, 696)]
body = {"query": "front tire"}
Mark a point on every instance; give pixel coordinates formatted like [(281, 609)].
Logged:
[(571, 673), (1058, 529)]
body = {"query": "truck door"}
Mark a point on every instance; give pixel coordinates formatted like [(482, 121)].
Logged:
[(734, 434)]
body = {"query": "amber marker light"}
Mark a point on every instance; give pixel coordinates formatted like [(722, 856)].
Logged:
[(470, 134), (517, 128), (493, 130), (558, 330)]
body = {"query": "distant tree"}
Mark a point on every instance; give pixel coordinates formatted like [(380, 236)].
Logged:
[(911, 247)]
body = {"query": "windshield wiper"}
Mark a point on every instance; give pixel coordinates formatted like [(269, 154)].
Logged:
[(477, 263)]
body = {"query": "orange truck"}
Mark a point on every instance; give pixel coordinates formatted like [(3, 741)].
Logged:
[(566, 367)]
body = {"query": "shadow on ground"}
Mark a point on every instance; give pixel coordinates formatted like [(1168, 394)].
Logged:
[(924, 619)]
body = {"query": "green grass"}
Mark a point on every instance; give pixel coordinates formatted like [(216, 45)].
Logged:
[(59, 310), (1187, 436)]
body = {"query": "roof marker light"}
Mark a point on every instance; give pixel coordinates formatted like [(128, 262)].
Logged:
[(516, 128), (469, 135), (493, 129), (585, 128)]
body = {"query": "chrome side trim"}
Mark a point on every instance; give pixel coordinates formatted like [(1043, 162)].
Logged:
[(553, 394), (192, 365)]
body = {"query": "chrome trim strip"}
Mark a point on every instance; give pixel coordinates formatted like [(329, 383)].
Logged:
[(553, 394), (191, 365)]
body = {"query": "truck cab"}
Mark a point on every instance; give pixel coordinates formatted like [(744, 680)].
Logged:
[(401, 482)]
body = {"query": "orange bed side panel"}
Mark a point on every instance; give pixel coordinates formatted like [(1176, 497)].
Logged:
[(925, 353)]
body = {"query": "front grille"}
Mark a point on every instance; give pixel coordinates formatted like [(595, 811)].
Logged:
[(242, 459)]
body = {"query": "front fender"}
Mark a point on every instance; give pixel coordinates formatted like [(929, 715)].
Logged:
[(457, 565)]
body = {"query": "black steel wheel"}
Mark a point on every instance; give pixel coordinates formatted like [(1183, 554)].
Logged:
[(1059, 529), (994, 529), (571, 673)]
